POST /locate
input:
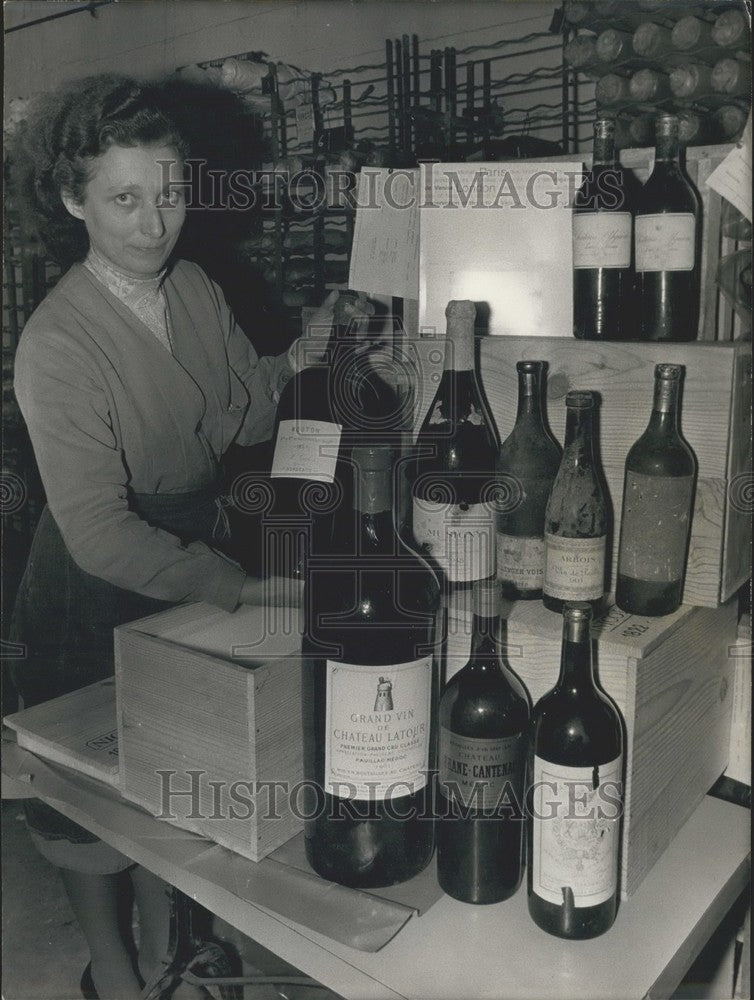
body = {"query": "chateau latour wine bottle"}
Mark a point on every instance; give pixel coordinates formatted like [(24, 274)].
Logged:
[(369, 694), (323, 411), (658, 496), (576, 518), (667, 244), (574, 802), (454, 474), (602, 244), (529, 460), (483, 733)]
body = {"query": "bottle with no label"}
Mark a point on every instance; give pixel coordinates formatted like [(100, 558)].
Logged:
[(658, 497), (484, 718), (602, 245), (576, 519), (369, 680), (575, 795), (529, 460), (668, 244)]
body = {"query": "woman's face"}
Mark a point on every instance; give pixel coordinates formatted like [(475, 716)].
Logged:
[(132, 212)]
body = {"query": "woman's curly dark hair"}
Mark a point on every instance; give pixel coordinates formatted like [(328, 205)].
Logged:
[(63, 133)]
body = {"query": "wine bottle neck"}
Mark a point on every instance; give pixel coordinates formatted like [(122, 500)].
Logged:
[(604, 150), (485, 648), (665, 405), (459, 346), (529, 398), (579, 433), (667, 150), (576, 656)]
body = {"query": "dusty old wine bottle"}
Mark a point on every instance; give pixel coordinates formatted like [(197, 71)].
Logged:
[(602, 244), (484, 718), (323, 411), (528, 462), (668, 245), (454, 474), (658, 497), (576, 519), (575, 795), (369, 694)]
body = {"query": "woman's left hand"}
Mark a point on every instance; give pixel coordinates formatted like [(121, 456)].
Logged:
[(343, 309)]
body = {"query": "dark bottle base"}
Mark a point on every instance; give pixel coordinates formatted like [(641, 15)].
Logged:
[(479, 860), (557, 604), (369, 854), (644, 597), (576, 923)]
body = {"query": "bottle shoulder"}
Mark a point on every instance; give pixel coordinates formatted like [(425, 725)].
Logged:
[(661, 455), (530, 447), (484, 707), (667, 190), (578, 728)]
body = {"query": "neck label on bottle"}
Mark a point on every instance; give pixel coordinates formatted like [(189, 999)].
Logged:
[(602, 239), (377, 729), (576, 824), (574, 567), (306, 449), (459, 537), (655, 527), (482, 774), (665, 242), (521, 561)]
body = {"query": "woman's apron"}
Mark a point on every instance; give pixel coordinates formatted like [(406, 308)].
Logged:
[(64, 617)]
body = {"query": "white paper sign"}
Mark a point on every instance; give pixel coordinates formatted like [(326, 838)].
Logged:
[(500, 235), (384, 255), (732, 179)]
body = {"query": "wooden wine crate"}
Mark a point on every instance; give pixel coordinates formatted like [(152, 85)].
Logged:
[(715, 420), (210, 703), (672, 679)]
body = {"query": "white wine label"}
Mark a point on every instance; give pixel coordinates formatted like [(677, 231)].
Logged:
[(521, 561), (574, 567), (459, 537), (377, 729), (576, 831), (482, 774), (306, 449), (665, 242), (602, 239), (655, 526)]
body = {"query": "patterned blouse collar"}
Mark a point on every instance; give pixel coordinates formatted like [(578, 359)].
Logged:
[(145, 297)]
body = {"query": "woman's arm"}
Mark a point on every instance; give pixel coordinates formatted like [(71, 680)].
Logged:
[(84, 475)]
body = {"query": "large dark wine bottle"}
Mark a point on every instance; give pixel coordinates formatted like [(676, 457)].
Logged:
[(369, 694), (576, 519), (658, 497), (602, 244), (456, 451), (484, 719), (575, 795), (528, 462), (668, 244), (324, 410)]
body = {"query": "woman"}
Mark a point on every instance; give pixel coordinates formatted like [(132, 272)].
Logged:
[(133, 379)]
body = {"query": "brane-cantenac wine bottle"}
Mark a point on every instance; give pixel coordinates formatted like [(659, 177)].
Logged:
[(454, 474), (574, 800), (602, 245), (668, 244), (576, 518), (483, 732), (658, 497), (527, 466), (369, 694)]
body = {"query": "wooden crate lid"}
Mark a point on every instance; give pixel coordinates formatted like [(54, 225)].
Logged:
[(78, 730)]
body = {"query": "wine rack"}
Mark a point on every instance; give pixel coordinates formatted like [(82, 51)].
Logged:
[(647, 56)]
